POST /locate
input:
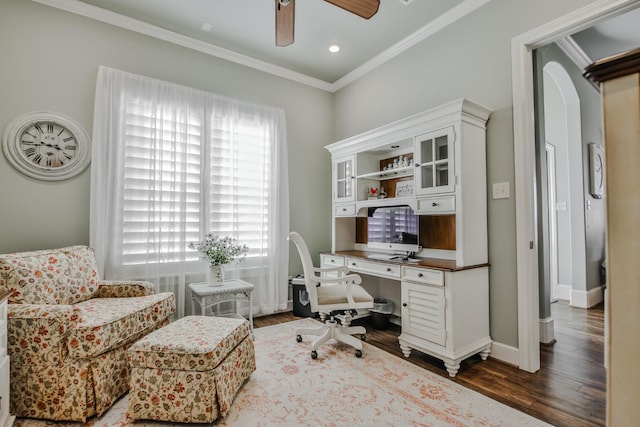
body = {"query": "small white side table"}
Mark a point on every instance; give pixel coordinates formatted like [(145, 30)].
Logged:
[(231, 290)]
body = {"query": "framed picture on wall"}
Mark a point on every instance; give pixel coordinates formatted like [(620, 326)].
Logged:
[(596, 170), (404, 189)]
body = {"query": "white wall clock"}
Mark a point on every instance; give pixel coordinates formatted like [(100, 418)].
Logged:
[(46, 146), (596, 170)]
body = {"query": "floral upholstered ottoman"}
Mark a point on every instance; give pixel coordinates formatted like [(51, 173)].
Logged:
[(190, 370)]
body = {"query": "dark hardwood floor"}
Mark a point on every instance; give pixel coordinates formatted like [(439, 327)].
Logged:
[(569, 389)]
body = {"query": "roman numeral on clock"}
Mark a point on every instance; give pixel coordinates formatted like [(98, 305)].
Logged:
[(30, 151), (37, 158), (49, 127)]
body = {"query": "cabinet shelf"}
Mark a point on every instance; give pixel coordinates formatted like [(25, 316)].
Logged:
[(389, 174)]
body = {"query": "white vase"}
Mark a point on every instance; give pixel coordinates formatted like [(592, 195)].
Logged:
[(215, 275)]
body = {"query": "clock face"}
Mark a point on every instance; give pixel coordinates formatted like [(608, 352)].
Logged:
[(46, 146), (599, 171)]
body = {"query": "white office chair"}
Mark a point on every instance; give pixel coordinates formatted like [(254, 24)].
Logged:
[(327, 295)]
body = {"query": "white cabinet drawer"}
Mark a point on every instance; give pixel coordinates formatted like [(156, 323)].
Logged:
[(344, 210), (436, 205), (423, 275), (375, 268), (331, 261)]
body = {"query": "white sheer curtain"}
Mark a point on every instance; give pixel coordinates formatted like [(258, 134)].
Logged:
[(172, 163)]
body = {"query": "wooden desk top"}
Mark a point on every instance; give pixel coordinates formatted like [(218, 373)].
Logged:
[(433, 263)]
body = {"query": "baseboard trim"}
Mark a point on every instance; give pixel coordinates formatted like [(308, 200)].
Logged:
[(564, 292), (587, 299), (504, 353), (547, 334)]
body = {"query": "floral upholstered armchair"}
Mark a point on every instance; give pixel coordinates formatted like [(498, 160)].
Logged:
[(68, 332)]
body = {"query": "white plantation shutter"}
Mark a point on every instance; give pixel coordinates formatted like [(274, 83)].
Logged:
[(240, 183), (162, 184), (171, 164)]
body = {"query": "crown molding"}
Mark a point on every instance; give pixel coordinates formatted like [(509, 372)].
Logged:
[(576, 54), (570, 48), (441, 22), (118, 20)]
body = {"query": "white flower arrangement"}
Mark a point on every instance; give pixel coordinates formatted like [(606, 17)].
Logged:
[(218, 250)]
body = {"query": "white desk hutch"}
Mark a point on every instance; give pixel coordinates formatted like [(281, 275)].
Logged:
[(434, 162)]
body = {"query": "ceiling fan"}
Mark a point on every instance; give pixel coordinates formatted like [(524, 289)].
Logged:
[(285, 13)]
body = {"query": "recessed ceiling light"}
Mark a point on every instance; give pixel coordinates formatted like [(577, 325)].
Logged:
[(206, 27), (333, 48)]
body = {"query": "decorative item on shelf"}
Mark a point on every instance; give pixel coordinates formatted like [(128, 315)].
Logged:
[(372, 192), (383, 193), (218, 252), (404, 189)]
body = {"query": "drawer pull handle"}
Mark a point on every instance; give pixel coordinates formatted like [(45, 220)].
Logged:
[(333, 260), (434, 204), (420, 275), (344, 209), (404, 304), (388, 268), (353, 263)]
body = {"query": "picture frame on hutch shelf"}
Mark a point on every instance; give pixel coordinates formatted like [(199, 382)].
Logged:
[(404, 189)]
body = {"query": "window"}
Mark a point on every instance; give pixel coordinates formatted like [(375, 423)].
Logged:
[(170, 164)]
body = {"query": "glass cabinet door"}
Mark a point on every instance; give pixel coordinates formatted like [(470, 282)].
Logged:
[(434, 162), (344, 178)]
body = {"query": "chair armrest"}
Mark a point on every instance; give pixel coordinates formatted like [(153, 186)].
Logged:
[(348, 281), (124, 289), (342, 270), (37, 334), (344, 280)]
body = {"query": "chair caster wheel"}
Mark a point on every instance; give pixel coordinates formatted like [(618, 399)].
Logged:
[(299, 338), (363, 337), (314, 354), (358, 353)]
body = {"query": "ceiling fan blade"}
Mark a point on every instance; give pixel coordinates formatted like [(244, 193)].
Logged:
[(363, 8), (285, 22)]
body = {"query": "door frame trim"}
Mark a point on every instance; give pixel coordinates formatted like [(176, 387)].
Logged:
[(522, 48)]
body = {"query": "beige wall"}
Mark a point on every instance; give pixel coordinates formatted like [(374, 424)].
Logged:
[(50, 60), (471, 59)]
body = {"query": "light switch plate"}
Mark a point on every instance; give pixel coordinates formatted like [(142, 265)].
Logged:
[(501, 190)]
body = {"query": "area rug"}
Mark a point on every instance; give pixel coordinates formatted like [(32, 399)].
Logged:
[(337, 389)]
